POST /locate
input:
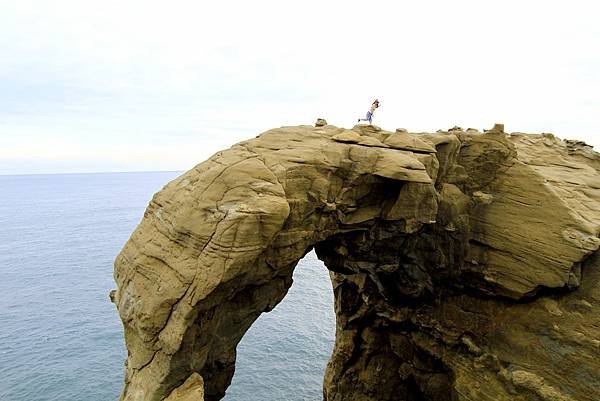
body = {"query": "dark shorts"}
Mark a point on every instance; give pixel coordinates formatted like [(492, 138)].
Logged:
[(369, 116)]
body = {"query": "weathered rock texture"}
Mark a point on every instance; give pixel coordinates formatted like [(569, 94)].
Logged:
[(465, 265)]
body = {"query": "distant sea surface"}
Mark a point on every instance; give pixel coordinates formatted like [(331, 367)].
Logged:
[(61, 338)]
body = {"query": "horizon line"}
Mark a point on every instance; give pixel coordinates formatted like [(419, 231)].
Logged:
[(94, 172)]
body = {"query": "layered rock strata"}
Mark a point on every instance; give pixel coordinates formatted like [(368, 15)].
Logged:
[(465, 265)]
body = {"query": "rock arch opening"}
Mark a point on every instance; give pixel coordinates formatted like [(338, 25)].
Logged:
[(430, 238), (284, 354)]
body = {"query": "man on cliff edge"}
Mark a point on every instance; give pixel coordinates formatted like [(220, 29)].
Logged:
[(370, 112)]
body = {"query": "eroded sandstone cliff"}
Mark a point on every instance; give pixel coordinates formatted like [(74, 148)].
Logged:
[(465, 265)]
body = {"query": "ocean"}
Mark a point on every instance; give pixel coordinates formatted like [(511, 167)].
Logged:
[(61, 338)]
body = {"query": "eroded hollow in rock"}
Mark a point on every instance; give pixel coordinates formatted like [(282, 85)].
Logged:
[(441, 246)]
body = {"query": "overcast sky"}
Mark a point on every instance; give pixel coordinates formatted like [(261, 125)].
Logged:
[(91, 86)]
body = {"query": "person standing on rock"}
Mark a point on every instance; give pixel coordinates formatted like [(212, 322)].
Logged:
[(370, 112)]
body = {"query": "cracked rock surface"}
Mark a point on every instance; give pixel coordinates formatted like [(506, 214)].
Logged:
[(465, 265)]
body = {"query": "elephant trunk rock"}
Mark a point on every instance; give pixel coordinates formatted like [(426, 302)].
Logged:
[(465, 265)]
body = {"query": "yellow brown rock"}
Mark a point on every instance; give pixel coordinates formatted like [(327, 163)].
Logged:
[(465, 266), (406, 141), (191, 390)]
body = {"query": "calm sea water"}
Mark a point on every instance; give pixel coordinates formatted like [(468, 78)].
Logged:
[(60, 337)]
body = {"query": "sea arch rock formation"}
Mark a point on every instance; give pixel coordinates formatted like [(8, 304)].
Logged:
[(464, 264)]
